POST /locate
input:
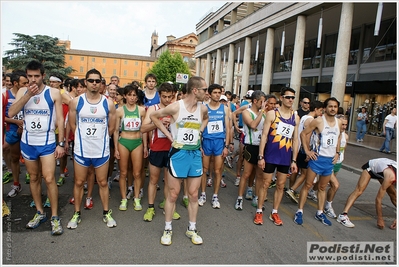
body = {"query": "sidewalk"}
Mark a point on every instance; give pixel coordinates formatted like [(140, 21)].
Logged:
[(358, 153)]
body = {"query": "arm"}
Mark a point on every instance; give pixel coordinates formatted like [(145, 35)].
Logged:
[(338, 147), (383, 126), (305, 138), (147, 125), (170, 110), (118, 116), (235, 115), (20, 100), (205, 117), (111, 117), (389, 178), (145, 135), (228, 132), (72, 114), (270, 116), (295, 145), (55, 94)]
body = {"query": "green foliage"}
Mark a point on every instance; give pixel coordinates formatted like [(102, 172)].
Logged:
[(167, 65), (42, 48)]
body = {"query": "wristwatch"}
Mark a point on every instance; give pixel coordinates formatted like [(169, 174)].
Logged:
[(260, 157), (339, 154), (61, 144)]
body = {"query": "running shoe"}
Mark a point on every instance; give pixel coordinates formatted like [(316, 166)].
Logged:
[(291, 194), (229, 162), (109, 183), (158, 187), (322, 217), (6, 210), (21, 160), (27, 178), (73, 223), (193, 235), (129, 193), (89, 203), (298, 218), (7, 177), (254, 201), (149, 214), (185, 202), (202, 200), (116, 178), (249, 194), (137, 205), (56, 227), (166, 238), (141, 193), (223, 184), (85, 189), (312, 195), (272, 184), (61, 181), (66, 172), (32, 204), (72, 201), (37, 220), (58, 162), (274, 217), (330, 213), (344, 220), (123, 205), (237, 181), (47, 203), (258, 218), (238, 205), (215, 203), (107, 218), (162, 204), (176, 216), (209, 182), (15, 189)]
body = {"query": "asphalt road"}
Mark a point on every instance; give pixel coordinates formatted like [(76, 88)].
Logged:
[(230, 236)]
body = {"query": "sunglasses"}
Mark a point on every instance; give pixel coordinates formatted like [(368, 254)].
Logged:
[(94, 80), (289, 97), (305, 102)]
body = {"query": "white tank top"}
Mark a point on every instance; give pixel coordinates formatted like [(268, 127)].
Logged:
[(380, 164), (342, 147), (40, 117), (301, 127), (252, 137), (328, 139), (91, 134)]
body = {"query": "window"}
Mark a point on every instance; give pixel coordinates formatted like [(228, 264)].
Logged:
[(114, 72), (82, 58), (93, 59), (70, 57), (135, 74), (115, 61), (136, 63), (125, 62), (148, 64), (104, 60), (125, 73), (103, 71), (81, 69)]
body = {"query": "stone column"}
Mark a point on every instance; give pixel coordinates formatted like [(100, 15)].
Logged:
[(198, 66), (342, 53), (230, 69), (208, 69), (246, 65), (297, 61), (218, 66), (268, 61), (233, 16), (250, 8), (220, 25)]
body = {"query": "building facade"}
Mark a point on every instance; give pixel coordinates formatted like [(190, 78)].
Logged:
[(321, 49), (127, 67)]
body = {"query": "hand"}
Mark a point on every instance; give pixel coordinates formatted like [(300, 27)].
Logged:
[(312, 155), (261, 164), (231, 146), (225, 152), (117, 156), (33, 89), (145, 152), (59, 152), (335, 159), (293, 167)]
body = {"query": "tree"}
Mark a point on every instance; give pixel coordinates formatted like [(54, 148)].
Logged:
[(167, 65), (42, 48)]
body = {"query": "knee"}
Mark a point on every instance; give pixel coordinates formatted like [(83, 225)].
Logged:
[(193, 196), (102, 183), (335, 185), (172, 196)]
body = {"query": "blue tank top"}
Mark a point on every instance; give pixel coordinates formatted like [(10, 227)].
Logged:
[(152, 101), (10, 100), (215, 127)]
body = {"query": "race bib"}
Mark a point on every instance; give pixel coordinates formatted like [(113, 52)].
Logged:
[(132, 124), (160, 134), (93, 130), (329, 140), (37, 123), (215, 127), (285, 129), (19, 116), (187, 136)]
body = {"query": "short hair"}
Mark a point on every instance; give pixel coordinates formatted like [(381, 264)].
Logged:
[(194, 82), (340, 110), (114, 76), (121, 91), (16, 75), (257, 94), (285, 89), (35, 65), (184, 89), (74, 83), (228, 93), (165, 87), (315, 105), (268, 96), (93, 71), (150, 75), (140, 97), (213, 87), (234, 96), (330, 99), (81, 82)]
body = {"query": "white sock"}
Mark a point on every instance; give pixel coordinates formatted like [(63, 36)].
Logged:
[(215, 195), (191, 227), (328, 205), (300, 210), (259, 211), (168, 225), (274, 211)]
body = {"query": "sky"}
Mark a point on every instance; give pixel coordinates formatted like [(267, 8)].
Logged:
[(123, 27)]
